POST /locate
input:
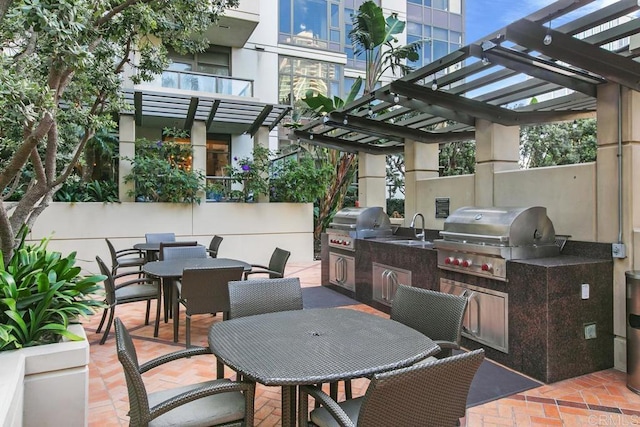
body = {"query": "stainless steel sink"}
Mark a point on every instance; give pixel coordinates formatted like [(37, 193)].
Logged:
[(410, 242)]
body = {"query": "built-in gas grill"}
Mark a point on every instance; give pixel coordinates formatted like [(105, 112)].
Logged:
[(480, 241), (350, 224)]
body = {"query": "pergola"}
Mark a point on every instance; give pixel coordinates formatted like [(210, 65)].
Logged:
[(495, 79)]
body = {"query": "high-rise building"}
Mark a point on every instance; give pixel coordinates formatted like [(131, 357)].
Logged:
[(264, 56)]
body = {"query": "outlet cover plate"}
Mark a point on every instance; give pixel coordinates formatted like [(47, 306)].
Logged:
[(589, 331)]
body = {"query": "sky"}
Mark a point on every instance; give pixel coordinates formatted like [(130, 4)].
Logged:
[(486, 16)]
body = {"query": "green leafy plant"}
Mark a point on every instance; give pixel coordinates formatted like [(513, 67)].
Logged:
[(74, 190), (302, 181), (41, 293), (215, 190), (161, 173), (252, 173)]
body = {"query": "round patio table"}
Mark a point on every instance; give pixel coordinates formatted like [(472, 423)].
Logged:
[(312, 346)]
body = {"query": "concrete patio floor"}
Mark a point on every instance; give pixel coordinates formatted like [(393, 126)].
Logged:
[(601, 398)]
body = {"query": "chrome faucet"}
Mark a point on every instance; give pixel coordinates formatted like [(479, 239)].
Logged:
[(421, 235)]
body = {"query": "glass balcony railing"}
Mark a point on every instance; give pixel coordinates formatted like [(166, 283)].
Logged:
[(188, 80)]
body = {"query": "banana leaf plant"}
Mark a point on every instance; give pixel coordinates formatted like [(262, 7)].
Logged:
[(41, 293), (375, 36)]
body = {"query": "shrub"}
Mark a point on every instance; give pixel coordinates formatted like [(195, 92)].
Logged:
[(162, 173), (299, 181), (41, 292)]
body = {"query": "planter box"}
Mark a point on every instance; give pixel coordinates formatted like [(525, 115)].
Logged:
[(46, 385)]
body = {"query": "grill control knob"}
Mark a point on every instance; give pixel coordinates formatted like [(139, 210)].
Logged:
[(448, 260), (467, 263), (487, 267), (457, 261)]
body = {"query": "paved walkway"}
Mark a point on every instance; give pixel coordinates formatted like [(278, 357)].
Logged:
[(601, 398)]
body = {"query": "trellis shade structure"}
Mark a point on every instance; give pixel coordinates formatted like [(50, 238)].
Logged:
[(528, 72), (221, 115)]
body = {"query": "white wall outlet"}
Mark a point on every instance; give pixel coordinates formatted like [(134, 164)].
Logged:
[(589, 331), (584, 290)]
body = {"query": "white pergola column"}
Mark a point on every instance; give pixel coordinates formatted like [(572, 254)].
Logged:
[(497, 149), (199, 149), (372, 180), (420, 162), (126, 148), (612, 141)]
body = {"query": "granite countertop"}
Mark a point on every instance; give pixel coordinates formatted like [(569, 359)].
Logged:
[(560, 260)]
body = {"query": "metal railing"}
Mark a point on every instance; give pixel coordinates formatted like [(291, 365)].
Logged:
[(189, 80)]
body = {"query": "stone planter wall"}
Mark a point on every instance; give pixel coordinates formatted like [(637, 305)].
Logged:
[(46, 385)]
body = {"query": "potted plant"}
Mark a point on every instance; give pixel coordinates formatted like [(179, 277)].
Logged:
[(214, 190), (252, 173), (42, 297)]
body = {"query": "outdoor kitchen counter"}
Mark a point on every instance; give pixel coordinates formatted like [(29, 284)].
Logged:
[(546, 312)]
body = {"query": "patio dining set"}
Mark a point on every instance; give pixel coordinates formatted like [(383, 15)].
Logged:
[(266, 337)]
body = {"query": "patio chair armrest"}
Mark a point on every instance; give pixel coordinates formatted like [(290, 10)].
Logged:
[(447, 345), (126, 274), (139, 281), (180, 354), (327, 402), (208, 389), (263, 271), (130, 251)]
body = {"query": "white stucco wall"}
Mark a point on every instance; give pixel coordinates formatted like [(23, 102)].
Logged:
[(251, 230)]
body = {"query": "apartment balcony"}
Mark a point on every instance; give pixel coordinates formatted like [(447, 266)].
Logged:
[(178, 98), (200, 82), (234, 28)]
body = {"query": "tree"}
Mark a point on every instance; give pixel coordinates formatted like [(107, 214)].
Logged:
[(457, 158), (61, 70), (558, 143), (373, 36)]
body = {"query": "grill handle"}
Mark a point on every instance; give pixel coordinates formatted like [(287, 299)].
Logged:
[(466, 236)]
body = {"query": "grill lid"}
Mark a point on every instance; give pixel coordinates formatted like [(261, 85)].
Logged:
[(364, 221)]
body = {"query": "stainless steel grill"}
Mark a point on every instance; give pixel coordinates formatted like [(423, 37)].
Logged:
[(350, 224), (479, 241)]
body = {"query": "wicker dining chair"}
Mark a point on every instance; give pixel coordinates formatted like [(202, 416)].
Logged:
[(165, 245), (219, 402), (261, 296), (214, 245), (130, 288), (275, 269), (431, 394), (203, 291), (125, 258), (193, 250), (435, 314), (160, 237), (248, 298)]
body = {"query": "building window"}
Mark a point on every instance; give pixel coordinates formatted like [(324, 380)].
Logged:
[(215, 60), (218, 154), (297, 76), (311, 23)]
